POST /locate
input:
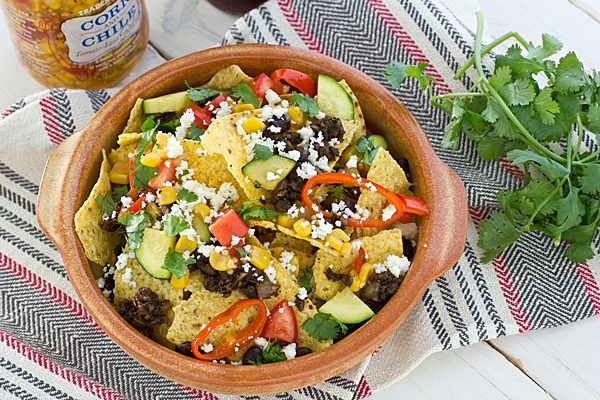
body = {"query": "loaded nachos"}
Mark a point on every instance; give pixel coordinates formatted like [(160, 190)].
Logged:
[(251, 219)]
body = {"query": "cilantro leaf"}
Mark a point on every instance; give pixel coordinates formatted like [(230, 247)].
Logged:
[(201, 94), (135, 223), (496, 233), (251, 210), (366, 146), (570, 74), (395, 73), (119, 192), (272, 353), (550, 168), (546, 106), (324, 326), (307, 104), (262, 152), (195, 133), (590, 179), (187, 196), (174, 225), (304, 279), (141, 175), (336, 192), (106, 202), (550, 46), (246, 94), (176, 263)]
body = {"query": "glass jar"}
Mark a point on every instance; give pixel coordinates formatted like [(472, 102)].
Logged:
[(236, 6), (85, 44)]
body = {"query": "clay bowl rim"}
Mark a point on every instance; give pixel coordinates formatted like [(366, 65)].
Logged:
[(72, 169)]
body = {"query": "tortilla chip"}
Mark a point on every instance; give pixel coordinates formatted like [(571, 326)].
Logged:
[(359, 117), (325, 288), (385, 171), (222, 137), (290, 232), (98, 244), (136, 118), (125, 290), (383, 244), (227, 78)]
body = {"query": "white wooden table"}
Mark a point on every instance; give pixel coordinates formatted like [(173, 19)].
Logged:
[(559, 363)]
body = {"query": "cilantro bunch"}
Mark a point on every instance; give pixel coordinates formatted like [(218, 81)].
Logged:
[(532, 111)]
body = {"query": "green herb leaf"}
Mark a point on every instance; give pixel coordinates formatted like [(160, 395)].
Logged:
[(590, 179), (496, 233), (304, 279), (119, 192), (176, 263), (202, 94), (570, 74), (195, 133), (307, 104), (187, 196), (106, 202), (135, 223), (174, 225), (246, 94), (141, 175), (336, 192), (252, 210), (262, 152), (272, 353), (324, 326)]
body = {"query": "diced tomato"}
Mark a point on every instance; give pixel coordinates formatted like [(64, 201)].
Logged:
[(167, 172), (260, 85), (228, 226), (285, 76), (281, 324), (360, 260), (203, 115)]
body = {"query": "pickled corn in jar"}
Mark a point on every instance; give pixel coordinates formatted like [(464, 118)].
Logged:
[(86, 44)]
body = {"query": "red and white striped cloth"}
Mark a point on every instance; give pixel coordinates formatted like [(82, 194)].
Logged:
[(51, 348)]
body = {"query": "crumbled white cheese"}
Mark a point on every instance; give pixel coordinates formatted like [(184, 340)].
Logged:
[(388, 212), (302, 293), (126, 277), (272, 97), (289, 350), (398, 266), (306, 170), (285, 259), (271, 273), (352, 161), (185, 121), (174, 147), (320, 227)]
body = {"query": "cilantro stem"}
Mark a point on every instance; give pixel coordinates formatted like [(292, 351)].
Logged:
[(489, 48), (526, 136)]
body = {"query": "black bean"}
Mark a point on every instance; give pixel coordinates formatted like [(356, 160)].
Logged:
[(186, 349), (302, 351), (251, 355)]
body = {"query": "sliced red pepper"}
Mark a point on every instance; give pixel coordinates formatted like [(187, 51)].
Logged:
[(414, 205), (360, 260), (281, 324), (234, 341), (227, 226), (363, 183), (304, 83)]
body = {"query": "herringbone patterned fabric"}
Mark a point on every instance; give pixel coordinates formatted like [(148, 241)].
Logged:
[(51, 348)]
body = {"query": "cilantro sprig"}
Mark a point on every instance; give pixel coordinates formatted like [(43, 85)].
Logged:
[(324, 326), (307, 104), (250, 209), (532, 110)]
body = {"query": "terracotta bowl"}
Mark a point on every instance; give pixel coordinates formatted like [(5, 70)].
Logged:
[(73, 167)]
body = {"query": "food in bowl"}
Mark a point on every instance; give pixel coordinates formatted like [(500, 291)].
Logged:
[(251, 219)]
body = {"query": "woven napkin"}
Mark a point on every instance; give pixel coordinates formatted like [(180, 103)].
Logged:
[(50, 347)]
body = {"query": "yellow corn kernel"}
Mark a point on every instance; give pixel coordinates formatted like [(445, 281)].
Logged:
[(167, 195), (239, 107), (259, 257), (296, 115), (253, 124), (346, 249), (285, 221), (119, 173), (302, 227), (180, 283), (221, 261), (201, 210), (356, 283), (184, 243), (151, 159), (337, 238), (365, 271)]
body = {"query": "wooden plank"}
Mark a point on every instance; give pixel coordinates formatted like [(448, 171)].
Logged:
[(474, 372), (563, 360)]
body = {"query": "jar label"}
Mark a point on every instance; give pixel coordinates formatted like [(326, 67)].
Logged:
[(90, 37)]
